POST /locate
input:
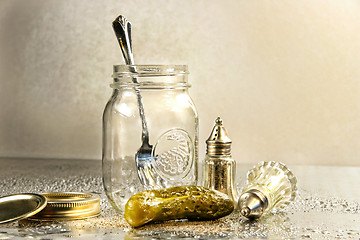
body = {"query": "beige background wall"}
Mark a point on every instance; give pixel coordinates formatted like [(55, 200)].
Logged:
[(283, 75)]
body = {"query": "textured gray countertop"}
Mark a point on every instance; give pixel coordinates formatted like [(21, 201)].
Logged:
[(327, 206)]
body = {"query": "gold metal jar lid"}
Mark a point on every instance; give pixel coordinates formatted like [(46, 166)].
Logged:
[(69, 206), (20, 206)]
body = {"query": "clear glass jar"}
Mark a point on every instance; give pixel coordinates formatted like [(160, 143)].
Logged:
[(149, 103)]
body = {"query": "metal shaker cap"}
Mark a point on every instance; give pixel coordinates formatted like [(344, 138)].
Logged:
[(253, 204), (219, 142)]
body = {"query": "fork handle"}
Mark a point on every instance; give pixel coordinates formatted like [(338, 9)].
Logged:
[(122, 29)]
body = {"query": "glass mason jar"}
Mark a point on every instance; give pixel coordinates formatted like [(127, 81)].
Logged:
[(150, 131)]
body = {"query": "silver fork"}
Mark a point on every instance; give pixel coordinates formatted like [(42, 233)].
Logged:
[(143, 158)]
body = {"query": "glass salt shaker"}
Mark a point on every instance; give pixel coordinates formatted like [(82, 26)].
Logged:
[(153, 99)]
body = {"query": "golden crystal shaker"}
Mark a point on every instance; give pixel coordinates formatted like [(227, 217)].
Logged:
[(219, 167), (270, 186)]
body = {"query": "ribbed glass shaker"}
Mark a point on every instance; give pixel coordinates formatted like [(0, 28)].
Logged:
[(171, 121)]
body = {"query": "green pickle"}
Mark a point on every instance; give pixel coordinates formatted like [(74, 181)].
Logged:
[(183, 202)]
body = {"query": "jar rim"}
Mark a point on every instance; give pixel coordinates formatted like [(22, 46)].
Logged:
[(121, 71)]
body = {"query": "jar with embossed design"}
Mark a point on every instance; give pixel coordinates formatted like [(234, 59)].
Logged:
[(150, 131)]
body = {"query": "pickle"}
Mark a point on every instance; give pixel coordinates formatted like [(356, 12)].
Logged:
[(183, 202)]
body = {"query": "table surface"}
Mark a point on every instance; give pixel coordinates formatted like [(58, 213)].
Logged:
[(327, 206)]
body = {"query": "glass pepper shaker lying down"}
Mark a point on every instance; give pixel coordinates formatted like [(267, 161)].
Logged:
[(270, 186)]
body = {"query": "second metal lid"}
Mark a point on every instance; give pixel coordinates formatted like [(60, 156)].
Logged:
[(69, 206)]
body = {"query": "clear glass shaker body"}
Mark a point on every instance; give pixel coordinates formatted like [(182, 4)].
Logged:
[(172, 123)]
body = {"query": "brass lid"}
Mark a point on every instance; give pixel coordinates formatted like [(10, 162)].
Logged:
[(20, 206), (69, 206), (219, 142)]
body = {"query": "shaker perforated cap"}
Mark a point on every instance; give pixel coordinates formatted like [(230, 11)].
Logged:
[(219, 142)]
